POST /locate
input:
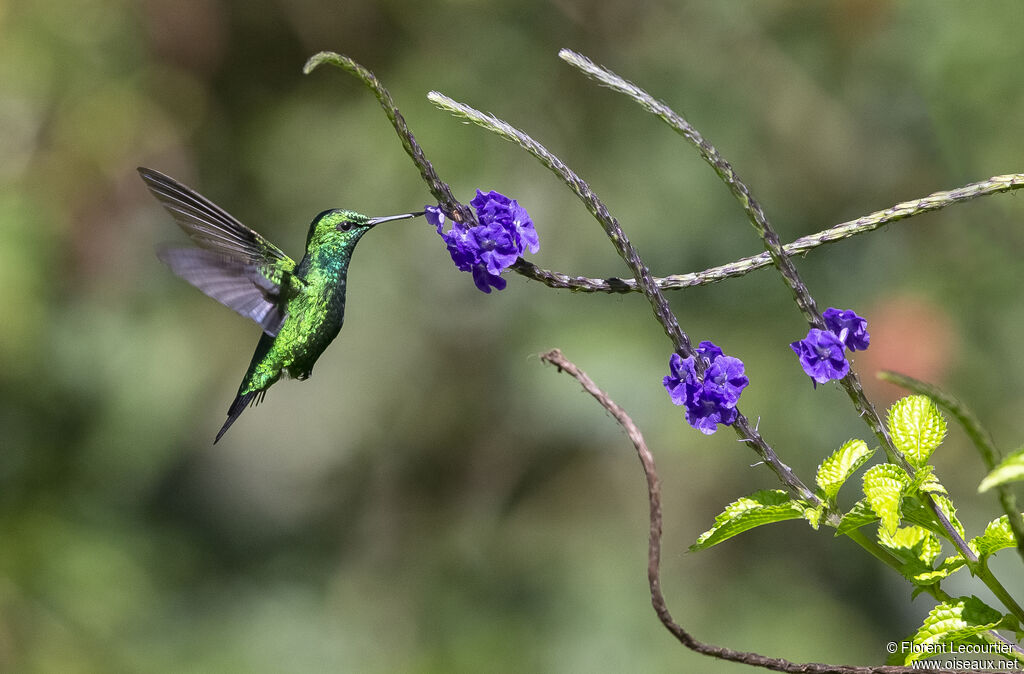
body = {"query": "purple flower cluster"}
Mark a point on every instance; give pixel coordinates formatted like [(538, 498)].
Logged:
[(504, 233), (822, 353), (712, 401), (851, 329)]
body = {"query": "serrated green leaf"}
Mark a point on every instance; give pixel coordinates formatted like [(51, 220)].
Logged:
[(1010, 622), (926, 482), (955, 620), (884, 485), (912, 542), (997, 536), (946, 506), (916, 548), (763, 507), (917, 428), (944, 570), (813, 515), (859, 515), (915, 512), (1010, 469), (840, 465)]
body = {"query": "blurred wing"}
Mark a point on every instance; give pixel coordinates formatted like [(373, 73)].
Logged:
[(215, 229), (235, 265), (232, 282)]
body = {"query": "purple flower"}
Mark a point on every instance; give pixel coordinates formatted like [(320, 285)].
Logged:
[(495, 246), (709, 351), (712, 401), (724, 380), (435, 216), (522, 225), (484, 279), (495, 207), (851, 329), (504, 233), (821, 356), (681, 382), (705, 415)]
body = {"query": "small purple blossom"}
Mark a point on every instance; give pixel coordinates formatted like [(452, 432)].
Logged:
[(712, 401), (505, 232), (709, 351), (705, 414), (724, 380), (822, 352), (484, 280), (495, 245), (434, 216), (496, 208), (681, 381), (821, 356), (851, 329)]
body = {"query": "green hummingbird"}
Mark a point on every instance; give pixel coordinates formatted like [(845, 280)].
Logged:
[(300, 307)]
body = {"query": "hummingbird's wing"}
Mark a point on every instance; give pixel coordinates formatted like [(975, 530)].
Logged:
[(235, 265), (231, 281)]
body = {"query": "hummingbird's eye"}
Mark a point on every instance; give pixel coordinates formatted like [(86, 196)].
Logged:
[(344, 226)]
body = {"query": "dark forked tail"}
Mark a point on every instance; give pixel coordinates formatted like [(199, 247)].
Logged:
[(237, 407)]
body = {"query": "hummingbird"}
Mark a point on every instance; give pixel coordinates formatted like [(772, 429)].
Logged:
[(300, 307)]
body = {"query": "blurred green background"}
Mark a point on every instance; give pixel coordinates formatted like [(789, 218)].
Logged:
[(434, 499)]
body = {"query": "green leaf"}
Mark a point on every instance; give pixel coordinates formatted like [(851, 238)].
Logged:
[(946, 506), (915, 512), (837, 468), (926, 482), (1010, 469), (958, 619), (763, 507), (859, 515), (916, 548), (813, 515), (997, 536), (917, 428), (950, 565), (913, 542), (884, 485)]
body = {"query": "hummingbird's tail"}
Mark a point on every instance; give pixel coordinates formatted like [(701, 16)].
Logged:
[(237, 407)]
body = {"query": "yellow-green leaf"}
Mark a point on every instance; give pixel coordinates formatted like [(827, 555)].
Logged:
[(954, 620), (946, 506), (884, 485), (840, 465), (763, 507), (1010, 469), (916, 427), (859, 515), (916, 548), (997, 536)]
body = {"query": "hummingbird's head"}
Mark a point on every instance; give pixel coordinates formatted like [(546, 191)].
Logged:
[(346, 226)]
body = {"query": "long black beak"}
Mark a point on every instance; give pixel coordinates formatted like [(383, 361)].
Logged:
[(388, 218)]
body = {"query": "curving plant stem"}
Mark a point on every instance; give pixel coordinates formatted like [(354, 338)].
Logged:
[(438, 188), (625, 249), (563, 364)]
